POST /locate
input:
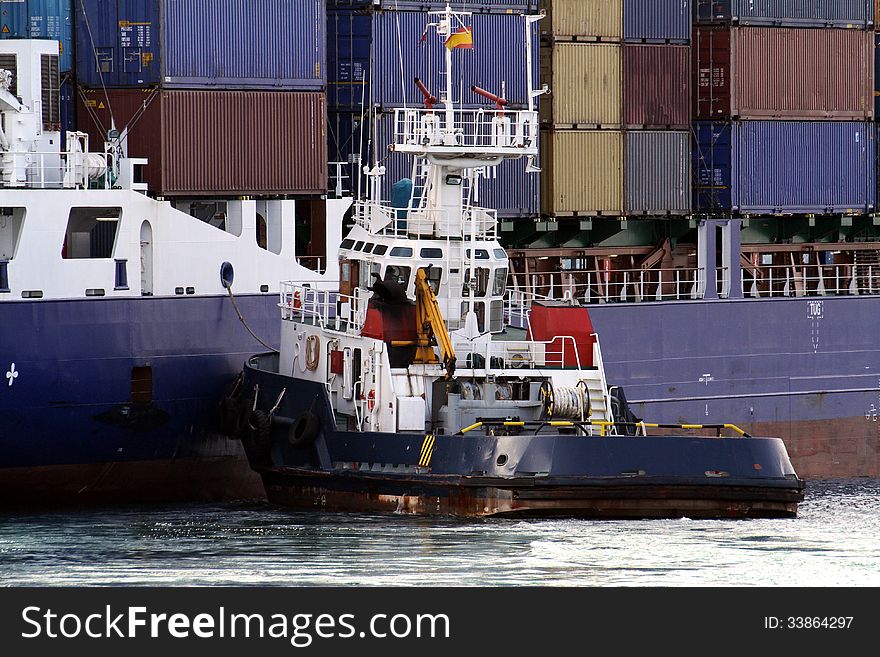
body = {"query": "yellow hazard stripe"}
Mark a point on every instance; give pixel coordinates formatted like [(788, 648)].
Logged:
[(427, 451)]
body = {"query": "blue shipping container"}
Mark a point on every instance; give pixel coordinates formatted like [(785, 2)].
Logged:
[(197, 44), (657, 21), (794, 13), (40, 19), (785, 167), (433, 5), (508, 188), (374, 57)]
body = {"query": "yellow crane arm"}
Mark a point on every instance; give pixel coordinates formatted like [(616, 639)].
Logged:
[(431, 325)]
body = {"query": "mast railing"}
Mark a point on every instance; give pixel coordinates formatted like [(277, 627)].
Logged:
[(484, 131)]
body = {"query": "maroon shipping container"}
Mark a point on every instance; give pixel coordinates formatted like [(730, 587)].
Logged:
[(657, 86), (217, 143), (784, 73)]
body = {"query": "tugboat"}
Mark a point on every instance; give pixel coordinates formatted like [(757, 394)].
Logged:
[(412, 390)]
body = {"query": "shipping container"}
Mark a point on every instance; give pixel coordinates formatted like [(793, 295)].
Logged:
[(374, 57), (585, 85), (785, 73), (657, 21), (583, 20), (506, 188), (582, 173), (657, 172), (657, 85), (217, 143), (785, 167), (795, 13), (258, 44), (40, 19), (434, 5)]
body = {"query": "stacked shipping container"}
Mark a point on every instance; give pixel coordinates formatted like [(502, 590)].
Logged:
[(376, 51), (784, 112), (616, 137), (225, 99)]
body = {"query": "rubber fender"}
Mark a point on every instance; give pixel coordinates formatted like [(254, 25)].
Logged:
[(304, 430)]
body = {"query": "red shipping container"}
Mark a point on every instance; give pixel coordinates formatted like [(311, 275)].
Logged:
[(657, 86), (217, 143), (784, 73)]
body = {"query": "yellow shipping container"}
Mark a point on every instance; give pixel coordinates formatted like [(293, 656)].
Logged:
[(585, 85), (589, 19), (582, 172)]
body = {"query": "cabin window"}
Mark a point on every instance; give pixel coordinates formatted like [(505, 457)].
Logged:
[(435, 275), (346, 244), (399, 274), (432, 254), (401, 252), (481, 254), (359, 246), (479, 311), (141, 385), (368, 248), (481, 282), (500, 254), (380, 250), (91, 233), (500, 283), (11, 224)]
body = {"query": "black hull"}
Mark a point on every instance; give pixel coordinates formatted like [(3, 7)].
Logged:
[(539, 475), (586, 499)]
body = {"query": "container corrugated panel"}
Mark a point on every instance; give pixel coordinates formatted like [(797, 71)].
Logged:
[(795, 13), (583, 19), (219, 143), (375, 56), (257, 44), (585, 85), (754, 72), (877, 71), (434, 5), (507, 189), (582, 172), (657, 86), (785, 167), (40, 19), (657, 21), (657, 172)]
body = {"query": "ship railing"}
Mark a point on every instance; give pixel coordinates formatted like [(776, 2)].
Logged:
[(380, 219), (773, 281), (49, 169), (487, 131), (328, 310), (505, 355), (617, 286)]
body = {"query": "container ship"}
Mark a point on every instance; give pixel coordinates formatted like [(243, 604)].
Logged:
[(707, 188)]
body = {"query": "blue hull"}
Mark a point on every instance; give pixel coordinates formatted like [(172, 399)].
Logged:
[(70, 406)]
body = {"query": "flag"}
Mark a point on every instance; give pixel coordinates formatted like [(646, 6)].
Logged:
[(463, 38)]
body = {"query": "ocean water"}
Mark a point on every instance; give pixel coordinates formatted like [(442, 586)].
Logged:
[(833, 542)]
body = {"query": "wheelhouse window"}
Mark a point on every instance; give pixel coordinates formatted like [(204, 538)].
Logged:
[(500, 283), (431, 254), (401, 252), (435, 276), (399, 274), (481, 282)]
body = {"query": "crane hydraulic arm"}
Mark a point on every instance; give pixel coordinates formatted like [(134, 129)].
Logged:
[(431, 327)]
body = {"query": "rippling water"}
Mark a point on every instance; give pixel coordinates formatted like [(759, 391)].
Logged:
[(832, 543)]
